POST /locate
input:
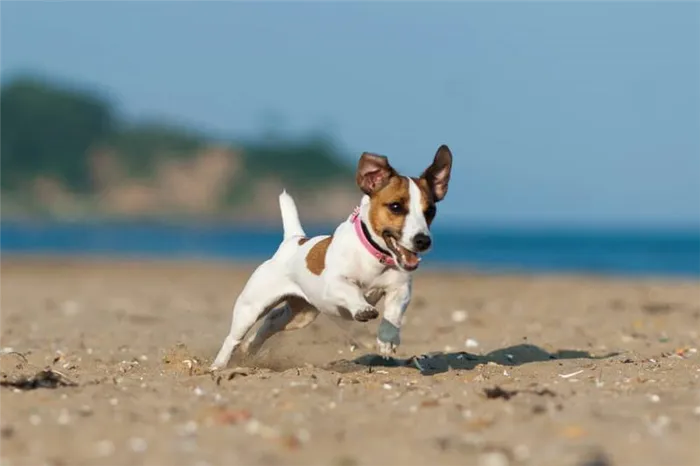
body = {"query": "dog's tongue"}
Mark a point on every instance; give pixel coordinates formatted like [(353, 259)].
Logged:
[(409, 258)]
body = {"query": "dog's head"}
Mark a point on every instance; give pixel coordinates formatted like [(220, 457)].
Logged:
[(402, 208)]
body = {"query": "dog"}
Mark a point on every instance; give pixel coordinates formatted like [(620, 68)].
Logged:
[(370, 256)]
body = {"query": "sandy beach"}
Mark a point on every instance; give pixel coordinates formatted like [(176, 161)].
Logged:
[(517, 370)]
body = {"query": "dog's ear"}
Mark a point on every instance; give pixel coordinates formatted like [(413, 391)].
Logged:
[(438, 174), (373, 172)]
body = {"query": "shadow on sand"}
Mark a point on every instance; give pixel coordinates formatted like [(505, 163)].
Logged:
[(438, 362)]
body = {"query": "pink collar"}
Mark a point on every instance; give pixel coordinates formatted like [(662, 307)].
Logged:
[(383, 258)]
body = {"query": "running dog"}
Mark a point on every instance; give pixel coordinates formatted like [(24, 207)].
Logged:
[(369, 256)]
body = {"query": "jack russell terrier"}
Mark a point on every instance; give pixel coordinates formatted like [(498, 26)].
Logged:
[(369, 256)]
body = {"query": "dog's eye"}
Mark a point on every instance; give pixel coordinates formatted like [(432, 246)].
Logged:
[(395, 208), (430, 212)]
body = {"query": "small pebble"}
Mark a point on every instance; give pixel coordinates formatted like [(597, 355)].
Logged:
[(70, 308), (471, 343), (459, 316), (654, 398), (304, 436), (189, 428), (143, 357), (658, 427), (35, 419), (521, 453), (493, 458), (85, 410), (696, 411), (114, 401), (104, 448), (387, 386), (138, 444), (252, 427), (198, 391), (7, 431), (64, 417)]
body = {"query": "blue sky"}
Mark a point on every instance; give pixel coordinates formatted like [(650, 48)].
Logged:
[(556, 112)]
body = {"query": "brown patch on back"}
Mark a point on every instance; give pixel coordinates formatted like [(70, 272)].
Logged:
[(302, 241), (380, 217), (316, 257)]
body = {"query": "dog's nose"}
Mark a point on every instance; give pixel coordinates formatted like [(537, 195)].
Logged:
[(421, 241)]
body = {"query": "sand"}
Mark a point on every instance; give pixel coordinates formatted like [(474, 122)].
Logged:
[(532, 370)]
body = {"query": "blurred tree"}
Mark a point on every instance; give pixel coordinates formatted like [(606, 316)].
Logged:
[(48, 129), (139, 145), (312, 159)]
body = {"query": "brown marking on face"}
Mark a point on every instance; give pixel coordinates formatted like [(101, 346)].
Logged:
[(381, 217), (427, 199), (302, 241), (316, 257)]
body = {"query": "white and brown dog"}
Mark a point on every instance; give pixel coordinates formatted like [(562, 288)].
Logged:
[(369, 256)]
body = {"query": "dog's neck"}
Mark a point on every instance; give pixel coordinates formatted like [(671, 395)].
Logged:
[(370, 240)]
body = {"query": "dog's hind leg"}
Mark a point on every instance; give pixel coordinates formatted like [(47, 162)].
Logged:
[(295, 314), (265, 289)]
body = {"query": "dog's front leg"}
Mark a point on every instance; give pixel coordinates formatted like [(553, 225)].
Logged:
[(395, 303), (340, 292)]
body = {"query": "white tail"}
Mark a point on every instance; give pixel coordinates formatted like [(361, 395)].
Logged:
[(290, 217)]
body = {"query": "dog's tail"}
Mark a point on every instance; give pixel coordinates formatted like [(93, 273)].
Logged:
[(290, 217)]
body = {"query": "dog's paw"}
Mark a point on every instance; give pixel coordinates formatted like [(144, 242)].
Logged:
[(386, 348), (366, 314), (217, 366)]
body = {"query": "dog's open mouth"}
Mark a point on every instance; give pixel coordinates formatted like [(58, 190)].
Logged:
[(407, 259)]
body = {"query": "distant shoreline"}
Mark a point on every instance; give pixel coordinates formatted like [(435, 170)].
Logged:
[(600, 253)]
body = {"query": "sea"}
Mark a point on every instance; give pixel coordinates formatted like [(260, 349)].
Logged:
[(631, 253)]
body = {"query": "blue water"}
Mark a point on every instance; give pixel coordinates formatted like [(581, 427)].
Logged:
[(635, 253)]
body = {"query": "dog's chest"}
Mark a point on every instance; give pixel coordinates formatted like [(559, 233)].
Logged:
[(374, 290)]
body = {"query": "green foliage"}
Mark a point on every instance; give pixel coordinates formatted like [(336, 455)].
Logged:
[(139, 146), (48, 129), (312, 160), (300, 165)]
